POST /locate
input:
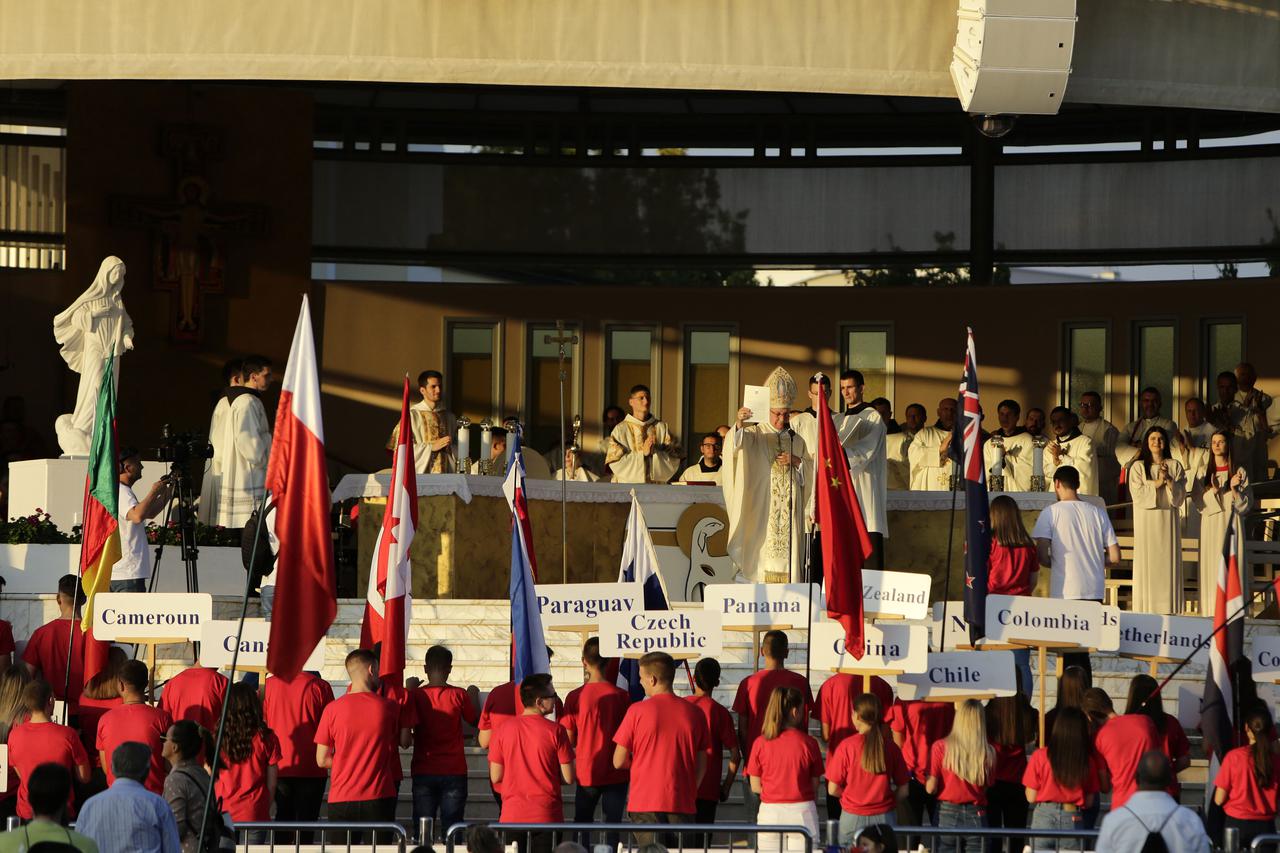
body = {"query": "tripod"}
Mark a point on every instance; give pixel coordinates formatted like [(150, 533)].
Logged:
[(186, 519)]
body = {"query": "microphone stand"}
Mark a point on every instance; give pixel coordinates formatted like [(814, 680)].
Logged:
[(791, 505)]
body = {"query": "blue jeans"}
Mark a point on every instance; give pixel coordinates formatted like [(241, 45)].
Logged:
[(267, 601), (1054, 816), (962, 815), (1022, 663), (446, 795), (613, 805), (132, 585), (851, 824)]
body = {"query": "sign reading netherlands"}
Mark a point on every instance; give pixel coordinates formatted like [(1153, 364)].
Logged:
[(679, 633), (218, 643), (146, 615), (904, 594), (951, 675), (1151, 635), (889, 648), (759, 605), (1053, 622), (580, 605), (1109, 641), (1265, 656)]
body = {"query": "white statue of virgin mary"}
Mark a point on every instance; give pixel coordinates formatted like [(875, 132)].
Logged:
[(90, 331)]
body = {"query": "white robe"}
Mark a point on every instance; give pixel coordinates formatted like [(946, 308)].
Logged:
[(239, 465), (423, 456), (1104, 435), (1200, 435), (1080, 454), (212, 483), (1133, 432), (1018, 450), (756, 491), (927, 473), (1215, 515), (695, 474), (862, 436), (628, 461), (1157, 539), (580, 475), (1252, 431), (897, 466), (1195, 462)]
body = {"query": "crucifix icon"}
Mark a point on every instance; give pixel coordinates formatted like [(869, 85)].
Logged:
[(561, 340)]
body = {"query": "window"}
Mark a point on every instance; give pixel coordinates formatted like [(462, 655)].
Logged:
[(1155, 364), (710, 383), (868, 349), (542, 403), (32, 199), (629, 361), (472, 381), (1084, 362), (1223, 349)]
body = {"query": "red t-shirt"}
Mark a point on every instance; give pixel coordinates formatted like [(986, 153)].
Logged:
[(753, 698), (33, 744), (1011, 763), (593, 713), (1040, 776), (243, 785), (664, 734), (7, 645), (954, 789), (47, 652), (1009, 569), (866, 793), (1175, 745), (786, 766), (835, 704), (91, 711), (363, 731), (141, 723), (1121, 742), (292, 711), (920, 724), (437, 734), (195, 694), (1246, 799), (721, 737), (501, 703), (531, 749)]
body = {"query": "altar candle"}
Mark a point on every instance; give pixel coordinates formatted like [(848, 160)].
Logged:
[(510, 449), (1037, 460), (464, 443), (486, 443), (997, 470)]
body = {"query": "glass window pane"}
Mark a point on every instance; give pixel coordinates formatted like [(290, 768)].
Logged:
[(706, 384), (543, 432), (629, 364), (708, 347), (867, 350), (1224, 349), (1156, 365), (1086, 362), (470, 378)]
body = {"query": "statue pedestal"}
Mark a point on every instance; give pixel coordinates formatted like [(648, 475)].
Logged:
[(57, 487)]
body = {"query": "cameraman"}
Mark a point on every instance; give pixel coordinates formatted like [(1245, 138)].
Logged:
[(133, 570)]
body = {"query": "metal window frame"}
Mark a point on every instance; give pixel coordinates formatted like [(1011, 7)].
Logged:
[(574, 402), (890, 359), (1135, 363), (686, 409), (1207, 384), (1064, 361), (655, 361), (497, 325)]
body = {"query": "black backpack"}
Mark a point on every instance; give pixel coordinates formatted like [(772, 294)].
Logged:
[(260, 561), (1155, 842), (216, 831)]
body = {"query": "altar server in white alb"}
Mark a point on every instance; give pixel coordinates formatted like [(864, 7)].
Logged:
[(706, 469), (765, 490), (434, 428), (1008, 452), (931, 463), (1159, 488), (238, 470), (1222, 488), (1104, 436), (640, 448), (1070, 447), (1129, 442), (897, 446), (231, 378)]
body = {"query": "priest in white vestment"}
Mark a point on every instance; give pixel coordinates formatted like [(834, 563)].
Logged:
[(765, 490), (1008, 451), (1071, 447), (707, 468), (1253, 428), (641, 449), (931, 465), (241, 449), (208, 505), (1104, 436), (1198, 431), (573, 470), (1149, 403), (433, 427)]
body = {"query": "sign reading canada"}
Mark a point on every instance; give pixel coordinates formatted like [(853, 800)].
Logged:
[(150, 615), (580, 605), (889, 648), (1053, 622), (1149, 635), (1265, 656), (902, 594), (951, 675), (218, 645), (764, 605), (680, 633)]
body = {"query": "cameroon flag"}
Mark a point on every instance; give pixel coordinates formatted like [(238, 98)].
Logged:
[(100, 535)]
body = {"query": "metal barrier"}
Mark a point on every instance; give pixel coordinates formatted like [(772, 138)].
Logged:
[(997, 833), (1267, 841), (796, 838), (263, 833)]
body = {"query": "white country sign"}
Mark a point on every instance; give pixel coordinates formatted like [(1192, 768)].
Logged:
[(218, 644), (1052, 622), (760, 605), (889, 648), (4, 768), (1150, 635), (900, 594), (1109, 641), (1265, 657), (147, 615), (680, 633), (951, 675), (957, 629), (580, 605)]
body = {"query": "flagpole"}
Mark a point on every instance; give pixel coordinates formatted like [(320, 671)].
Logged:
[(946, 592)]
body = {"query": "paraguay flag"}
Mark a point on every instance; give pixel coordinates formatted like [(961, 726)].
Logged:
[(639, 565), (1217, 707), (966, 446), (100, 535), (528, 643)]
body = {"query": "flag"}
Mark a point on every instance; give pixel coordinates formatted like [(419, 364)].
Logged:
[(639, 565), (966, 448), (100, 533), (297, 478), (388, 602), (1217, 706), (845, 541), (528, 643)]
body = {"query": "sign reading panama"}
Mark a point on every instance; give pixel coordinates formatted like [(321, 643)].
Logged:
[(889, 648), (952, 675), (679, 633), (580, 605), (1150, 635), (147, 615), (764, 605), (902, 594), (1052, 622)]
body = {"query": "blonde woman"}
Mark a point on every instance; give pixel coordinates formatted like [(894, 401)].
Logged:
[(13, 710), (1158, 485), (1224, 487), (959, 772), (784, 767)]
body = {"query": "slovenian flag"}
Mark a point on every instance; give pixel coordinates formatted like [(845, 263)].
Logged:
[(100, 535), (528, 643), (639, 565)]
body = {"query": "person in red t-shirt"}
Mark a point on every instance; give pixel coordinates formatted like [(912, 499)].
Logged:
[(195, 694), (1011, 725), (714, 790), (7, 646), (534, 758), (753, 698), (246, 783), (42, 741), (835, 711), (101, 693), (1248, 782), (665, 738), (500, 705), (1062, 780), (46, 651), (292, 710), (1013, 566), (439, 764), (137, 721), (866, 772), (1144, 698), (916, 725), (784, 767), (592, 714), (1120, 743), (959, 768)]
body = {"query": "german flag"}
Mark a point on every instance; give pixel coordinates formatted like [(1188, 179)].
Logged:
[(100, 535)]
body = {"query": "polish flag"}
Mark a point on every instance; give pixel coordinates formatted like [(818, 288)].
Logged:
[(306, 594), (388, 603)]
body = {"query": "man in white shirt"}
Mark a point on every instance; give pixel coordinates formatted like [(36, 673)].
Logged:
[(1149, 810), (133, 570), (706, 469), (1149, 404), (1076, 541), (1104, 435)]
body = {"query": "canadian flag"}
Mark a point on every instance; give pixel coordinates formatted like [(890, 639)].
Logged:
[(388, 603), (297, 477)]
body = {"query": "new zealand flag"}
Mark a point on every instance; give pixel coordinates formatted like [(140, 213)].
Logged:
[(966, 450)]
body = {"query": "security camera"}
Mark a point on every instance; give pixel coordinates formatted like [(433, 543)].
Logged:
[(994, 126)]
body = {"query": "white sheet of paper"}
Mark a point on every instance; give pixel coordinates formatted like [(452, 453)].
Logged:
[(756, 398)]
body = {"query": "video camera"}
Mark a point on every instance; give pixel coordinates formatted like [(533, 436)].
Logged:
[(179, 447)]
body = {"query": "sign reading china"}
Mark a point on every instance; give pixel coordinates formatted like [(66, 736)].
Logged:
[(951, 675), (1149, 635), (902, 594), (148, 615), (763, 605), (889, 648), (1265, 656), (218, 644), (580, 605), (1052, 622), (679, 633)]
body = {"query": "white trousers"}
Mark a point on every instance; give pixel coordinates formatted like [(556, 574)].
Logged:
[(787, 814)]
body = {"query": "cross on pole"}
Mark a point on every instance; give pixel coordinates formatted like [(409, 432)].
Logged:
[(561, 340)]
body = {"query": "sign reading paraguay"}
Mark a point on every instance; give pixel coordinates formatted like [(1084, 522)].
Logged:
[(680, 633), (147, 615), (1052, 622), (763, 605), (580, 605)]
